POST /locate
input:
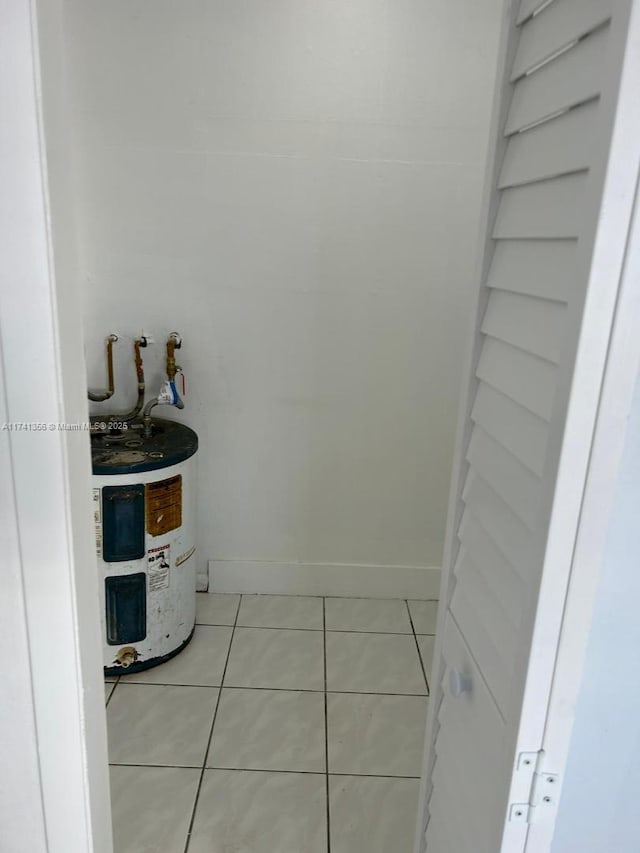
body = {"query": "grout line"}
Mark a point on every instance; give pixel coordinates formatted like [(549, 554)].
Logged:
[(317, 630), (305, 595), (376, 693), (168, 684), (314, 630), (113, 690), (379, 633), (415, 637), (373, 776), (308, 773), (213, 722), (326, 723), (274, 689), (156, 766), (263, 770), (281, 628)]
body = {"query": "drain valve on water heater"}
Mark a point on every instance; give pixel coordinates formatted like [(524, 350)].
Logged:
[(126, 656)]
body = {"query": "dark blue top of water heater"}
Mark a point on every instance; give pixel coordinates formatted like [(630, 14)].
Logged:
[(130, 452)]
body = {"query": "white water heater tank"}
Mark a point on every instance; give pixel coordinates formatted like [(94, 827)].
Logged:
[(144, 493)]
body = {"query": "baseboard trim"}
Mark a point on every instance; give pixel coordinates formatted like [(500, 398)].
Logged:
[(253, 576)]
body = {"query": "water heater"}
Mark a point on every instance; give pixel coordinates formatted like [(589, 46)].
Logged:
[(144, 500)]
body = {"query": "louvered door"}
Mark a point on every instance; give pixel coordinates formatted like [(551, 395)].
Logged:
[(558, 205)]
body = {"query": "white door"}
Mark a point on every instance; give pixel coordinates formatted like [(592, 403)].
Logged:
[(559, 198)]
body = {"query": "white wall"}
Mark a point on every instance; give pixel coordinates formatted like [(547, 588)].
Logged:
[(598, 809), (294, 186)]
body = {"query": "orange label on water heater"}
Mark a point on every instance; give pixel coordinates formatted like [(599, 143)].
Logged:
[(164, 505)]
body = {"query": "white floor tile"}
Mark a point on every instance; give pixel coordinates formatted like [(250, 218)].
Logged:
[(424, 615), (251, 804), (151, 808), (373, 663), (426, 645), (201, 663), (269, 730), (376, 735), (260, 813), (280, 611), (216, 608), (372, 815), (153, 724), (367, 614), (264, 657)]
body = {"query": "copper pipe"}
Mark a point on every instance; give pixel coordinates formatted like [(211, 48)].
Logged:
[(101, 396), (127, 417), (138, 359), (171, 359), (173, 343)]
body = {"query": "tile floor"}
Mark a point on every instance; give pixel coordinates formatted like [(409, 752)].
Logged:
[(288, 725)]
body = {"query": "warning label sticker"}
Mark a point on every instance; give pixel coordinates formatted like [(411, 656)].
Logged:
[(158, 562), (97, 520)]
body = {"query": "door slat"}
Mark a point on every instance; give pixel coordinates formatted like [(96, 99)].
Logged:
[(490, 662), (559, 25), (454, 775), (522, 433), (534, 325), (515, 484), (509, 582), (436, 836), (571, 79), (502, 624), (542, 268), (498, 528), (445, 823), (546, 209), (557, 147), (528, 7), (527, 379)]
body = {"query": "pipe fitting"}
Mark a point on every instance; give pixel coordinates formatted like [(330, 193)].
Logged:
[(101, 396), (126, 656), (171, 359)]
